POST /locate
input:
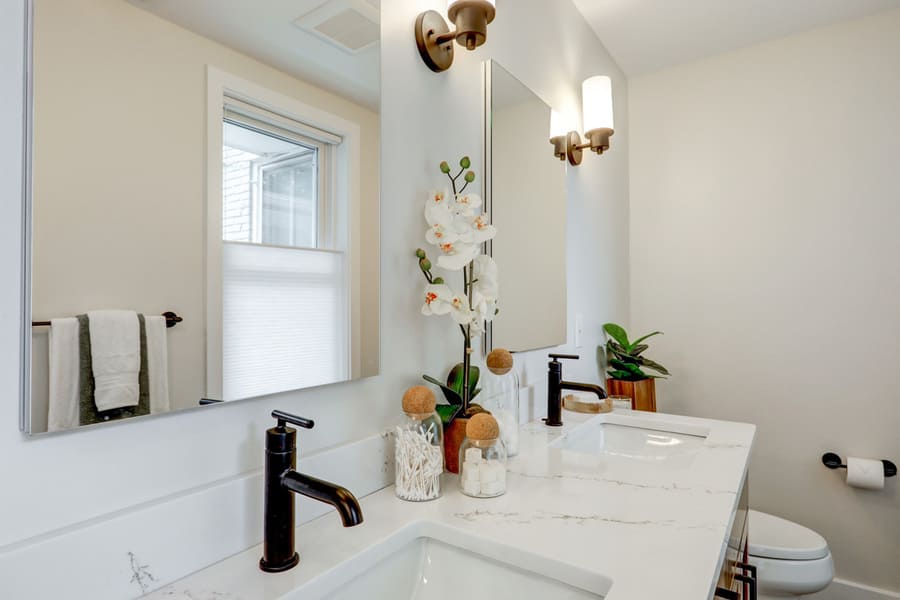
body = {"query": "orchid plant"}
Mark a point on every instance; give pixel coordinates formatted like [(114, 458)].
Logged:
[(458, 229)]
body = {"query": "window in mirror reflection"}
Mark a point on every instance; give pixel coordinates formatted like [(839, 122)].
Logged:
[(271, 187), (279, 263)]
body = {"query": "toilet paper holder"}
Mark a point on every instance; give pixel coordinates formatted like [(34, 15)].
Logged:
[(833, 461)]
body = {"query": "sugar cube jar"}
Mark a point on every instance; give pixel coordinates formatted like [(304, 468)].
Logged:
[(482, 459)]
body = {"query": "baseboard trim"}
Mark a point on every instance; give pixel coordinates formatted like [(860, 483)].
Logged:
[(842, 589)]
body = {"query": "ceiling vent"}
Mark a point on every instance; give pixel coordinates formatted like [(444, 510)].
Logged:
[(351, 25)]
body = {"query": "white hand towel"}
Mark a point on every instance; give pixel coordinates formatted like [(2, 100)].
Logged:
[(62, 412), (157, 364), (115, 358)]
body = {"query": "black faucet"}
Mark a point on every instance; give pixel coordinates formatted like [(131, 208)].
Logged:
[(282, 482), (555, 386)]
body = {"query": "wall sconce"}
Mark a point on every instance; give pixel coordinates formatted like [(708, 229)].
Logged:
[(435, 40), (597, 108)]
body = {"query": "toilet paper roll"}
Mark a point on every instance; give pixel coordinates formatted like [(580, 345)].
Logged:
[(865, 473)]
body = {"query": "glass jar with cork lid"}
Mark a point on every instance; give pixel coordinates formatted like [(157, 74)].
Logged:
[(500, 396), (419, 448), (482, 459)]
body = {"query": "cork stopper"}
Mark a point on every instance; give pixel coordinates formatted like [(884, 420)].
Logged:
[(499, 361), (419, 400), (482, 426)]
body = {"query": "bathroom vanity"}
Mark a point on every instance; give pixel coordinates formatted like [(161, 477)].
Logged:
[(622, 506)]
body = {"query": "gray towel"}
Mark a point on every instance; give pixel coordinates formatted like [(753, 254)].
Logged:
[(87, 410)]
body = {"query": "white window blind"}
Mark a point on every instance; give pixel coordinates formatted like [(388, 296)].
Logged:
[(285, 319)]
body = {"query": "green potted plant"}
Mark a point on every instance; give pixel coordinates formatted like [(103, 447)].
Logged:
[(626, 375)]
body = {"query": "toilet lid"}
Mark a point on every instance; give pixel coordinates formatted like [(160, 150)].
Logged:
[(773, 537)]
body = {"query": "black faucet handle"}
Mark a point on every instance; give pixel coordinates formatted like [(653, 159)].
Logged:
[(568, 356), (284, 417)]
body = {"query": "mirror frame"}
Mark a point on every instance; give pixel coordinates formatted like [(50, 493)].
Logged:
[(27, 182)]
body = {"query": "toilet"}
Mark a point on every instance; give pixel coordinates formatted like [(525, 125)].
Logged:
[(791, 560)]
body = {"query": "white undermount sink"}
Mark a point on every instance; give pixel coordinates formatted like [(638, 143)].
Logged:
[(429, 562), (634, 438)]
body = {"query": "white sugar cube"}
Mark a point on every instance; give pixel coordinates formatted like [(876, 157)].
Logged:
[(473, 488), (471, 471), (473, 455), (488, 473)]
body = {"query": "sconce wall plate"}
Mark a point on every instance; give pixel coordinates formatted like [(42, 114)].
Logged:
[(574, 148), (431, 40)]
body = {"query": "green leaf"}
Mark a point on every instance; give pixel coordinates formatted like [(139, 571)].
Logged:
[(455, 378), (641, 339), (638, 349), (646, 362), (622, 365), (622, 375), (617, 333), (634, 370), (447, 412), (450, 394)]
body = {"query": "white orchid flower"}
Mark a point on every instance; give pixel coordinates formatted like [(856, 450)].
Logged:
[(437, 299), (440, 197), (467, 203), (482, 230), (485, 307), (439, 234), (485, 276), (476, 327), (461, 312), (456, 255)]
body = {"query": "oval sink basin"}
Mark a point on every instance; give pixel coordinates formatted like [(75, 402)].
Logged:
[(430, 562)]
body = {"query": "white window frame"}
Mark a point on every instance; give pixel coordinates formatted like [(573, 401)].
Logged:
[(345, 205)]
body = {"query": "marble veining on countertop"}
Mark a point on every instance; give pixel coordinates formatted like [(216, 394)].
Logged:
[(656, 529)]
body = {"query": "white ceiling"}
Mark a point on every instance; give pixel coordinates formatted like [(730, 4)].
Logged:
[(265, 30), (647, 35)]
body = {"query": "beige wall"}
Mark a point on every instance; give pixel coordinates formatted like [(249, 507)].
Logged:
[(119, 209), (764, 242)]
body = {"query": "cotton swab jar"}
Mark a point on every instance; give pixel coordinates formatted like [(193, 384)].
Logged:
[(419, 448), (482, 459)]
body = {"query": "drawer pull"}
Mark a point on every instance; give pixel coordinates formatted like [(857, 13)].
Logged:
[(747, 567)]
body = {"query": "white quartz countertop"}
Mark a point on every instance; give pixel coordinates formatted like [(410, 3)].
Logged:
[(656, 529)]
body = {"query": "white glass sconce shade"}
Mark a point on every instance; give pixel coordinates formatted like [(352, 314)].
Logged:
[(557, 124), (597, 105)]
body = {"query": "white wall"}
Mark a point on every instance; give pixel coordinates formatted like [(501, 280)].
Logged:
[(60, 484), (765, 207)]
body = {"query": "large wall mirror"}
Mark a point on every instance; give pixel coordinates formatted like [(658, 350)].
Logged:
[(525, 192), (203, 201)]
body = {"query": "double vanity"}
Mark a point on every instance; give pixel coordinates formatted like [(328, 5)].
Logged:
[(623, 506)]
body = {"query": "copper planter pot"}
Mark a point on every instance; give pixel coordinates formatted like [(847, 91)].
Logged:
[(454, 436)]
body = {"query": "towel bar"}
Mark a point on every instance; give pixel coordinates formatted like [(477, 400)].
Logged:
[(171, 320)]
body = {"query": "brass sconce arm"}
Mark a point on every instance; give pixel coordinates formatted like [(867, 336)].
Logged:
[(571, 147)]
